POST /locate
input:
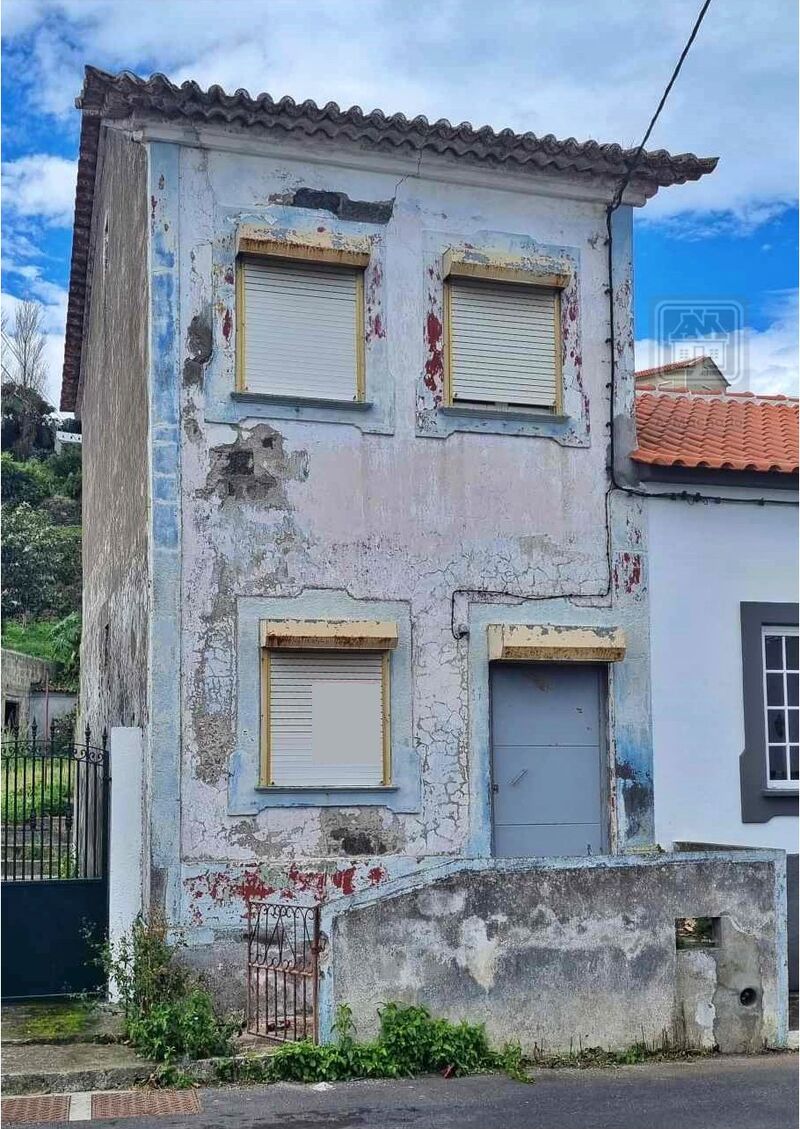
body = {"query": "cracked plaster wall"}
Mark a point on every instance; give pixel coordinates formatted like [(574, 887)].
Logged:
[(571, 953), (277, 500), (114, 415)]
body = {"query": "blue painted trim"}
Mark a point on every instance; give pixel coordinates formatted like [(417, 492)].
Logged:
[(165, 542), (245, 795)]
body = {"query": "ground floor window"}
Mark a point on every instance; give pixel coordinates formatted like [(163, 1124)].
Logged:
[(769, 769), (325, 719)]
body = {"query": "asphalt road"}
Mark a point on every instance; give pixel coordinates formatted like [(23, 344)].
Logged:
[(730, 1093)]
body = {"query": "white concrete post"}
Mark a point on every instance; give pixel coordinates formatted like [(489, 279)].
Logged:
[(126, 856)]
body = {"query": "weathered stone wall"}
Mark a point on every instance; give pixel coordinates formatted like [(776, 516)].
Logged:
[(18, 672), (113, 408), (572, 953)]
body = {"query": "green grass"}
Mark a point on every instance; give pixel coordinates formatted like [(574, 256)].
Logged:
[(29, 638), (39, 783)]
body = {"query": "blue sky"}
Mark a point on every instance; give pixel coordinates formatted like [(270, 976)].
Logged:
[(573, 69)]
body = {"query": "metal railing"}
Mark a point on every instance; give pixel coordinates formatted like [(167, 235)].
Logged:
[(282, 971), (53, 812)]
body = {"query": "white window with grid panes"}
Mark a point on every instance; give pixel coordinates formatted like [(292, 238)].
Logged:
[(782, 713)]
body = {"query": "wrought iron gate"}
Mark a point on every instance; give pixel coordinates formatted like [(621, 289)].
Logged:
[(282, 971), (54, 843)]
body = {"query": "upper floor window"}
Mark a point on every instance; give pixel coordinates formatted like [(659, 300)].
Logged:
[(504, 343), (301, 324), (782, 710)]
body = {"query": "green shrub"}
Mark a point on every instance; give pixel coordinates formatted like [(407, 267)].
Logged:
[(61, 510), (29, 481), (410, 1042), (167, 1015), (66, 467), (186, 1027), (65, 641)]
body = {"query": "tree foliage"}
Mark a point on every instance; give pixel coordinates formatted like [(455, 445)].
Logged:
[(30, 481), (65, 643), (25, 411), (41, 564), (28, 425)]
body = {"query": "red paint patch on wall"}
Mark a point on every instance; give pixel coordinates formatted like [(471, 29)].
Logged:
[(343, 880), (310, 881), (434, 366), (223, 888), (628, 572), (252, 887), (229, 278), (227, 325)]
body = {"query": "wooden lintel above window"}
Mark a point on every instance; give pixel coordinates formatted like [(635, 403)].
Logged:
[(456, 265), (328, 634), (308, 253), (553, 643)]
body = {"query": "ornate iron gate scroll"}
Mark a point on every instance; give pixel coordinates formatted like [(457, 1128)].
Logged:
[(282, 971)]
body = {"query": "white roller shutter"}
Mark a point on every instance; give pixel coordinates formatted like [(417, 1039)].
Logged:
[(503, 343), (300, 328), (326, 718)]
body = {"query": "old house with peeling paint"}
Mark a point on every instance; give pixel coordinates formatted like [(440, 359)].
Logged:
[(356, 572)]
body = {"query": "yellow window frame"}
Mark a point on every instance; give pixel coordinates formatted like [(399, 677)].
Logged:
[(254, 249), (265, 774), (489, 274)]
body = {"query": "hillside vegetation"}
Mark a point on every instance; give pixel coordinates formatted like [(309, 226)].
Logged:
[(41, 534)]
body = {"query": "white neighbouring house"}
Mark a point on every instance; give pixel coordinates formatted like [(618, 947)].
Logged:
[(723, 540)]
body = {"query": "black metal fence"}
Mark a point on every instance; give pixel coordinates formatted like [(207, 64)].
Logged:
[(54, 806), (282, 971)]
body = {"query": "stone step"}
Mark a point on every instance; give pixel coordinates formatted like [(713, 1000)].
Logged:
[(65, 1068)]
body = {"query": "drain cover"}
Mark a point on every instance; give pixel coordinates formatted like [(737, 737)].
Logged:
[(143, 1103), (35, 1107)]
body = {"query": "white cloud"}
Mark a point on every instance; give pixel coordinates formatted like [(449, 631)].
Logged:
[(570, 69), (41, 185), (770, 356)]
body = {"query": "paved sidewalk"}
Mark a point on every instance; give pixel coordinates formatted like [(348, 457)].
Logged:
[(729, 1093)]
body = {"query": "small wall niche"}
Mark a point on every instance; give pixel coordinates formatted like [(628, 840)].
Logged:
[(697, 933)]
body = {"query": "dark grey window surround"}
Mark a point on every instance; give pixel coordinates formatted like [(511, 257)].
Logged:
[(759, 804)]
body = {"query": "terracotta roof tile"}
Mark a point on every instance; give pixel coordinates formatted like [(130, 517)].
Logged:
[(720, 431), (674, 366), (126, 96)]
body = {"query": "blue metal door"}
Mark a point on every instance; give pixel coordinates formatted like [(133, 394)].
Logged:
[(54, 843), (547, 762)]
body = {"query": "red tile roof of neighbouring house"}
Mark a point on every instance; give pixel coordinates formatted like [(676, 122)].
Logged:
[(675, 366), (125, 96), (719, 431)]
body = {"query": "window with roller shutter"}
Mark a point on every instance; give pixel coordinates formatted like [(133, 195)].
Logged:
[(300, 329), (326, 718), (504, 343)]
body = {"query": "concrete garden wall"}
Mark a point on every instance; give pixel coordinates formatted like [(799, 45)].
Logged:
[(572, 953)]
